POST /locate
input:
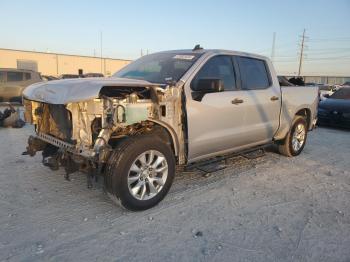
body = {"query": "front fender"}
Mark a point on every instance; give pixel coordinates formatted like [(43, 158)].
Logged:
[(172, 133)]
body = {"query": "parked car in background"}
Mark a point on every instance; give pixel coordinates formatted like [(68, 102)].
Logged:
[(68, 76), (335, 110), (326, 91), (162, 110), (93, 75), (49, 78), (13, 82)]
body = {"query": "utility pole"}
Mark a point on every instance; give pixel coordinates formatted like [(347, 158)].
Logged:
[(273, 47), (141, 52), (101, 50), (301, 52)]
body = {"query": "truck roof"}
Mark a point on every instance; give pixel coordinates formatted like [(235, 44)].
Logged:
[(216, 51)]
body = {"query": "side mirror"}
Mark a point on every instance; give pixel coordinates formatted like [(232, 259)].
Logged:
[(208, 85)]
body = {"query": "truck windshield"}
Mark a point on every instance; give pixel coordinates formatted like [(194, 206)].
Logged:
[(159, 68)]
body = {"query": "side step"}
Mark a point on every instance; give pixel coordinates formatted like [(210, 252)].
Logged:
[(215, 164)]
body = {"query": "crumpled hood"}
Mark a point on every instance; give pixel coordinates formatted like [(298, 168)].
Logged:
[(76, 90), (339, 105)]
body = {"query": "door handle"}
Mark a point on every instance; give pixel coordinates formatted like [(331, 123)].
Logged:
[(237, 101), (274, 98)]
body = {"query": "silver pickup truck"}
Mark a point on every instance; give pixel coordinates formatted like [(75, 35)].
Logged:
[(165, 110)]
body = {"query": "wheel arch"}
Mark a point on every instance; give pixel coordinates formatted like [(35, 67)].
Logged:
[(172, 134), (305, 112), (287, 123)]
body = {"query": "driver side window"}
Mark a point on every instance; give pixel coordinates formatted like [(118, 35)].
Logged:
[(218, 67)]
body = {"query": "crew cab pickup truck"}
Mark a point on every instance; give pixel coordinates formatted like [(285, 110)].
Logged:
[(165, 110)]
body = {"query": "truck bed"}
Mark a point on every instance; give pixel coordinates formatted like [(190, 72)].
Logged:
[(295, 98)]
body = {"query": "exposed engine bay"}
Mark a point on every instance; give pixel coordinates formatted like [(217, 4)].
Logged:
[(81, 135)]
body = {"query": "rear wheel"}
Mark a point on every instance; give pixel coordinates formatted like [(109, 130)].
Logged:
[(295, 140), (140, 172)]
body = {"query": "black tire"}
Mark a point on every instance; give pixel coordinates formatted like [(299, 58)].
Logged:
[(118, 166), (285, 147)]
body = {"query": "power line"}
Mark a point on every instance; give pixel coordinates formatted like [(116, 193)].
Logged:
[(328, 58), (330, 39), (330, 52), (314, 59), (325, 49)]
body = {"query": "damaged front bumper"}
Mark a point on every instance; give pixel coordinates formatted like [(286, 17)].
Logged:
[(38, 142), (58, 153)]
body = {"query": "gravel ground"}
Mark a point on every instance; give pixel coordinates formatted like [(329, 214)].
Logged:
[(267, 209)]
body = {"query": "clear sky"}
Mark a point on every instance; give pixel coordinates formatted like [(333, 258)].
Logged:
[(128, 26)]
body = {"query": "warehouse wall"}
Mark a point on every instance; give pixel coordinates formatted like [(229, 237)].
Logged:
[(330, 80), (57, 64)]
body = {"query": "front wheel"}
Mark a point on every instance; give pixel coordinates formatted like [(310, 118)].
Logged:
[(140, 172), (295, 140)]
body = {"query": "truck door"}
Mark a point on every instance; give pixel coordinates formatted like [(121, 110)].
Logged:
[(262, 100), (215, 121)]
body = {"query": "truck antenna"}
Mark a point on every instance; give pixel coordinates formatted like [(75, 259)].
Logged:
[(197, 47)]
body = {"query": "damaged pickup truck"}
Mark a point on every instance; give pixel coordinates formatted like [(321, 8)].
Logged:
[(165, 110)]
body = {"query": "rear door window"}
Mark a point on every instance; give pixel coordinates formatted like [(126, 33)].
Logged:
[(254, 73), (14, 76)]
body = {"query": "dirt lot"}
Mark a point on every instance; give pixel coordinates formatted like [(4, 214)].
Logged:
[(268, 209)]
